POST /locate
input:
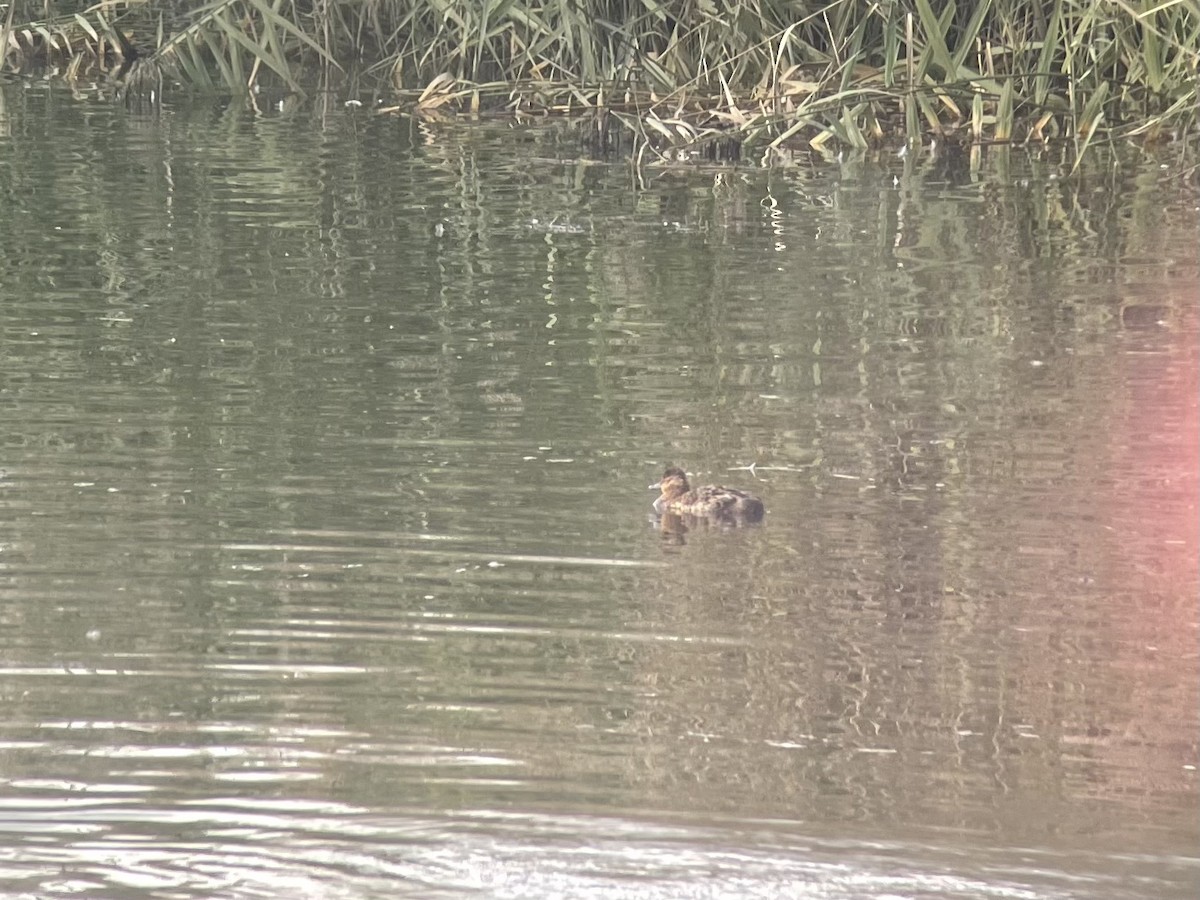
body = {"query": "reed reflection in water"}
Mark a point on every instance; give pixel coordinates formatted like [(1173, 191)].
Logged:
[(328, 567)]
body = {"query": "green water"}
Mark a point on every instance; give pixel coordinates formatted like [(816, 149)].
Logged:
[(327, 564)]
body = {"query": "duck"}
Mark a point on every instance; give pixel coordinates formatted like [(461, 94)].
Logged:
[(708, 501)]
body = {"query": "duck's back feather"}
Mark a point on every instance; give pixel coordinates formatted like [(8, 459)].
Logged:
[(719, 501)]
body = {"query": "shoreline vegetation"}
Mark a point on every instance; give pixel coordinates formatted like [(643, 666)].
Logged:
[(748, 75)]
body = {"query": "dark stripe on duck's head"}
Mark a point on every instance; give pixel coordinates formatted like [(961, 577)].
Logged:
[(673, 483), (670, 472)]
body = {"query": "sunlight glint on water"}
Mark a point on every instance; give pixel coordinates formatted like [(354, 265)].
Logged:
[(327, 566)]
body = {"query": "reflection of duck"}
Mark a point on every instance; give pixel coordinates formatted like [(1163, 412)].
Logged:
[(709, 501)]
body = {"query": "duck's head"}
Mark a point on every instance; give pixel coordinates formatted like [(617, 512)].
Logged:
[(673, 483)]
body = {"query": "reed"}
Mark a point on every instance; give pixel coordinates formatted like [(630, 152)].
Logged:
[(765, 72)]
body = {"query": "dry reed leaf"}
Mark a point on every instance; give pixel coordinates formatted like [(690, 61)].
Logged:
[(734, 116), (789, 88), (440, 84), (654, 122)]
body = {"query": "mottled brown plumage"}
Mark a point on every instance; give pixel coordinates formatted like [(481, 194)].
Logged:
[(708, 501)]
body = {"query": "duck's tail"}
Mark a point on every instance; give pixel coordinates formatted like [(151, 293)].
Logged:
[(749, 508)]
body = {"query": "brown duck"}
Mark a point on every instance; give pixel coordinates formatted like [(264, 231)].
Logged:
[(708, 501)]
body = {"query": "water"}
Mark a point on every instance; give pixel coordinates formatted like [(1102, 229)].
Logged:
[(327, 566)]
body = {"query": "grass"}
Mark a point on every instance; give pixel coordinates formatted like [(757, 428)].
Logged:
[(763, 73)]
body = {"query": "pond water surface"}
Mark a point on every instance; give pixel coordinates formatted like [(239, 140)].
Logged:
[(327, 564)]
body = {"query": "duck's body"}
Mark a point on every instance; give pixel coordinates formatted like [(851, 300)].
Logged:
[(708, 501)]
